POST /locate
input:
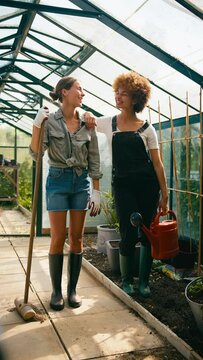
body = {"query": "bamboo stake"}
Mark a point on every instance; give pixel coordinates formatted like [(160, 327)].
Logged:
[(200, 191), (175, 165), (190, 208), (160, 132)]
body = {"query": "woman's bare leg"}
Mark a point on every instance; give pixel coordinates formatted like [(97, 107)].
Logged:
[(58, 235), (76, 230), (58, 231)]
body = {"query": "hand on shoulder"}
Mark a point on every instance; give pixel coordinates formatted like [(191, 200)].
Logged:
[(90, 120), (42, 114)]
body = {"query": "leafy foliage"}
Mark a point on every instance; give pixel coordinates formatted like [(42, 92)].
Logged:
[(6, 187), (25, 184), (108, 208), (195, 290)]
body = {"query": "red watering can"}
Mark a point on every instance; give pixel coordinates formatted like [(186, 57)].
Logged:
[(163, 236)]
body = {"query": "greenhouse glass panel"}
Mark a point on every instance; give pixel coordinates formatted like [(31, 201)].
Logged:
[(32, 68), (33, 45), (103, 67), (184, 43), (50, 29)]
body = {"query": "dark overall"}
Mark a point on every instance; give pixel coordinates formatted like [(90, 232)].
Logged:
[(134, 183)]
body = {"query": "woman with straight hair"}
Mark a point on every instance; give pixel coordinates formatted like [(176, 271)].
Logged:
[(73, 159)]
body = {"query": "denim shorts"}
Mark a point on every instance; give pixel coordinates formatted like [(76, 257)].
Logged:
[(65, 190)]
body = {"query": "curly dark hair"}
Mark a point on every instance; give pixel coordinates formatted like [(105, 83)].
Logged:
[(65, 82), (138, 86)]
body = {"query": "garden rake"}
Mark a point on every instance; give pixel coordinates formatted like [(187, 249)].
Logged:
[(26, 310)]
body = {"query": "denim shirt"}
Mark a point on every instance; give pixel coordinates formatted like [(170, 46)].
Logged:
[(78, 150)]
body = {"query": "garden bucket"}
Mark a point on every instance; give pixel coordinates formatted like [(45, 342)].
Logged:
[(197, 308)]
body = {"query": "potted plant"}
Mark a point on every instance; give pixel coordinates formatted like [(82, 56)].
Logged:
[(108, 236), (109, 230), (194, 296)]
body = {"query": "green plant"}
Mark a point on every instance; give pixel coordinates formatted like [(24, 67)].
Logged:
[(195, 290), (25, 184), (108, 208)]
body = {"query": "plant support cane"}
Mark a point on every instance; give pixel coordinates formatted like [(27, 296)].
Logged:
[(25, 309)]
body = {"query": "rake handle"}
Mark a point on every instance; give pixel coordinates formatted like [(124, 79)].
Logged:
[(34, 212)]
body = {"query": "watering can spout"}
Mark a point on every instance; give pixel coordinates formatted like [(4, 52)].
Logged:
[(136, 221)]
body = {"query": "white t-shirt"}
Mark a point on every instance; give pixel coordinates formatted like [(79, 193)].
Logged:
[(149, 136)]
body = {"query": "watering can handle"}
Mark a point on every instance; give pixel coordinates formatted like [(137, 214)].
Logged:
[(156, 219)]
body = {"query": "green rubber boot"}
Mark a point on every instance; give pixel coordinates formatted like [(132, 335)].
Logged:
[(126, 268), (144, 270), (55, 269), (74, 267)]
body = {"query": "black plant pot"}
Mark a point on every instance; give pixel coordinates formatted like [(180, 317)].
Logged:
[(187, 255)]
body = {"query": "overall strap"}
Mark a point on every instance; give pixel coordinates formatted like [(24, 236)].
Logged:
[(144, 127), (114, 123)]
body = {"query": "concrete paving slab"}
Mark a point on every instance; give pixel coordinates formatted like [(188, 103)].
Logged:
[(12, 284), (86, 280), (32, 341), (7, 301), (102, 327), (9, 316), (4, 242), (3, 238), (23, 241), (2, 230), (10, 266), (91, 336), (94, 301), (39, 264), (7, 252), (38, 251), (14, 222)]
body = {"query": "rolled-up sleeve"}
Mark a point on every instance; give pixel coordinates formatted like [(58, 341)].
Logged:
[(94, 167), (45, 145)]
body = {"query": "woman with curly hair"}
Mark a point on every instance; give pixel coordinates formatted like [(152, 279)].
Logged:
[(138, 175)]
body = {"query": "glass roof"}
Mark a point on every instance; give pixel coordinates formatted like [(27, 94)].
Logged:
[(95, 41)]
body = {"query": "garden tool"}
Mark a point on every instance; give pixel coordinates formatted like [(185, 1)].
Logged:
[(163, 236), (25, 309)]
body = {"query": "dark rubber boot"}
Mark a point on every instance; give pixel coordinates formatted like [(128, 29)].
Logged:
[(55, 269), (127, 269), (74, 267), (144, 270)]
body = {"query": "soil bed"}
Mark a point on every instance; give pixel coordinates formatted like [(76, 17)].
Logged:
[(167, 301)]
